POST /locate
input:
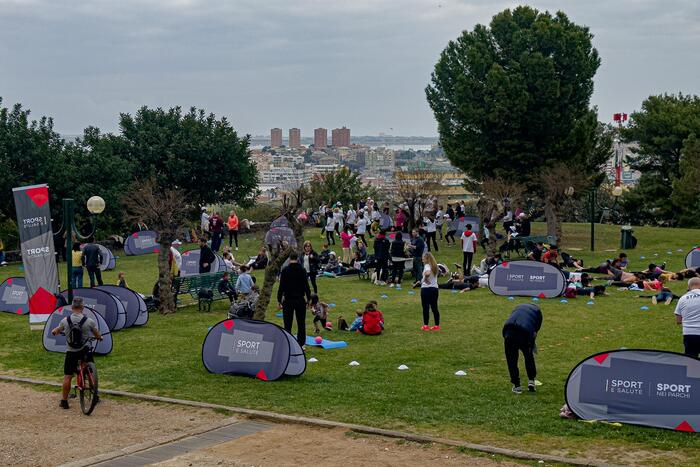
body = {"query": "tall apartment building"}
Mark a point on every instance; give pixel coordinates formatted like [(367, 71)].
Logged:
[(320, 138), (276, 137), (341, 137), (294, 138)]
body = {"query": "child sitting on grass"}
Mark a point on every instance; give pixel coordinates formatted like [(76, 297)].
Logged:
[(320, 311), (121, 280), (372, 320)]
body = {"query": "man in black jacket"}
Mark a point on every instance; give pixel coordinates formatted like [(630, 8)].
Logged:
[(519, 333), (292, 295), (381, 255), (206, 256), (92, 259)]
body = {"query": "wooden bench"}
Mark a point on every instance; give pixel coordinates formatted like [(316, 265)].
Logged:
[(192, 285), (528, 243)]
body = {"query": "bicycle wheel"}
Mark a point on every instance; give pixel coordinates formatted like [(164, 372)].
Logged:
[(88, 393)]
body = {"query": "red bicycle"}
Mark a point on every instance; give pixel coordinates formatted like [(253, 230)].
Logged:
[(86, 382)]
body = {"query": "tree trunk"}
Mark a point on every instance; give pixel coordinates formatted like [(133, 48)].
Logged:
[(553, 220), (271, 272), (275, 265), (166, 298)]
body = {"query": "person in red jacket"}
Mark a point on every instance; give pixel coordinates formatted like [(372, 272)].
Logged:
[(372, 320)]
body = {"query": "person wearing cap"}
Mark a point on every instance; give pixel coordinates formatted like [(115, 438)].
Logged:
[(75, 354), (175, 258)]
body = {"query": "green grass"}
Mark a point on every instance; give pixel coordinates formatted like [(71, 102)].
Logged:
[(164, 358)]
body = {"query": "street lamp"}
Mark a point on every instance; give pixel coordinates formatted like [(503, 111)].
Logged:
[(616, 192), (95, 206)]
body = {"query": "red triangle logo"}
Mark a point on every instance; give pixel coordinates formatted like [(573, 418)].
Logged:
[(261, 375), (9, 281), (601, 358), (39, 195), (156, 250), (228, 324), (541, 295), (685, 426), (505, 264), (19, 311), (42, 302), (135, 234)]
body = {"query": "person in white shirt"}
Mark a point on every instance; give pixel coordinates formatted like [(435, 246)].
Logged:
[(204, 221), (429, 293), (350, 217), (361, 225), (338, 219), (177, 257), (688, 315), (440, 220), (468, 249), (430, 232), (330, 228)]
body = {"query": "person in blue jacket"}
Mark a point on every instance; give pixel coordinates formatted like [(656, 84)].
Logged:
[(519, 334)]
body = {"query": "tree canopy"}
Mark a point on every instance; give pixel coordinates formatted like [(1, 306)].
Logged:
[(513, 99), (342, 185)]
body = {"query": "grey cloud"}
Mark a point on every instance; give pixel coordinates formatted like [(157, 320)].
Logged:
[(305, 63)]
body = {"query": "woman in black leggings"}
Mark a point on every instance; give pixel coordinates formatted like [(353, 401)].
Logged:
[(429, 293)]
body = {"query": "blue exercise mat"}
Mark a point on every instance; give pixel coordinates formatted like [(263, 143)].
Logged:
[(326, 344)]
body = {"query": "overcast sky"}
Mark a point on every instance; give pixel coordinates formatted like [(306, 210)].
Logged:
[(306, 63)]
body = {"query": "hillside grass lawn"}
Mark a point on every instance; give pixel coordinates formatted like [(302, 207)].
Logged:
[(164, 357)]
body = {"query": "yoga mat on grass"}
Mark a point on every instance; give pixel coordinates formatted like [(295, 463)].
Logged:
[(326, 344)]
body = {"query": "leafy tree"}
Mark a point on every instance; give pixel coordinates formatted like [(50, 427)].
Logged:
[(30, 152), (194, 152), (660, 129), (686, 188), (512, 99), (341, 185)]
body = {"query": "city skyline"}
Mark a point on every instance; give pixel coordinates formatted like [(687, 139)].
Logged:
[(257, 63)]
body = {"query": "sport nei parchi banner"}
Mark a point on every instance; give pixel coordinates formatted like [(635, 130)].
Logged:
[(38, 257)]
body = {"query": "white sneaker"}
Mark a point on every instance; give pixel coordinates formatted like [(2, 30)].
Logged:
[(236, 248), (4, 263), (391, 285)]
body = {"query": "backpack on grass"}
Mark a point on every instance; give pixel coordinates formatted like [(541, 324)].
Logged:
[(74, 337)]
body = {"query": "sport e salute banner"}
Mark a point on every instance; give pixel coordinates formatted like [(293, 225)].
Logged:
[(36, 238), (641, 387), (253, 348), (527, 278)]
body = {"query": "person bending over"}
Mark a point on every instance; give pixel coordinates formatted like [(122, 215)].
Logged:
[(519, 334)]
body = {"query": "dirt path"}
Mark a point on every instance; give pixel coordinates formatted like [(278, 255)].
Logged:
[(33, 429), (289, 445)]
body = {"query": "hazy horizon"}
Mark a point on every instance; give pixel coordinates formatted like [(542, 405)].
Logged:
[(307, 63)]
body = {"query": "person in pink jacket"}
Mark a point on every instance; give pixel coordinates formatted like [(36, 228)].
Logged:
[(345, 238)]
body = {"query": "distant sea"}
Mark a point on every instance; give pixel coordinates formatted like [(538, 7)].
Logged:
[(395, 147)]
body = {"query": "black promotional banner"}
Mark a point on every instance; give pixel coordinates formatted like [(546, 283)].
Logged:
[(642, 387), (36, 239), (253, 348), (692, 259), (141, 243), (14, 296), (58, 343), (527, 278)]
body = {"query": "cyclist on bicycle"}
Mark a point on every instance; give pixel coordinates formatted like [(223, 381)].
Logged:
[(77, 328)]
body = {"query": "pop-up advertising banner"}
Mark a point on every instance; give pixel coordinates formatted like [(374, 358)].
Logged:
[(14, 297), (641, 387), (38, 257), (190, 263), (527, 279), (252, 348), (131, 301), (463, 221), (141, 243), (280, 232), (692, 260), (58, 343), (103, 303), (109, 262)]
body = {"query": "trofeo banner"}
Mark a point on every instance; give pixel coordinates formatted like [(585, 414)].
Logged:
[(38, 256)]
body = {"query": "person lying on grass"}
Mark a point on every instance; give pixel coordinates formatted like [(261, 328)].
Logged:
[(461, 282), (665, 295)]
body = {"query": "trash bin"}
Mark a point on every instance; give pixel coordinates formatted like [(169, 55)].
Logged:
[(627, 240)]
